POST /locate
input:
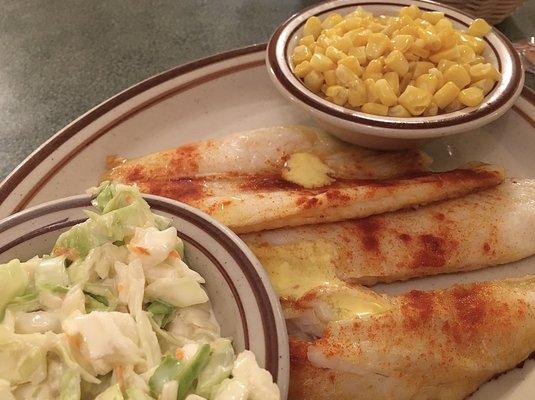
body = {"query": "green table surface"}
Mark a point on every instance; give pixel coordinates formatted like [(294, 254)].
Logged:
[(59, 58)]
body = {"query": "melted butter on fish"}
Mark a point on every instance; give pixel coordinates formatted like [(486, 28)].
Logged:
[(296, 268), (307, 170)]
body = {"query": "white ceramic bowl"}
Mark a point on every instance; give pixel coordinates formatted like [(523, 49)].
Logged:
[(389, 132), (242, 297)]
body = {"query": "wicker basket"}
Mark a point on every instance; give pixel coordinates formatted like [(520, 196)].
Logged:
[(493, 11)]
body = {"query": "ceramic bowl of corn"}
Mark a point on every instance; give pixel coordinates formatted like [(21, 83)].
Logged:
[(394, 74)]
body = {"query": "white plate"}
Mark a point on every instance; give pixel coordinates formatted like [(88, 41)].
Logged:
[(231, 92)]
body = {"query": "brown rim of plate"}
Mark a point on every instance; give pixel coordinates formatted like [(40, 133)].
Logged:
[(302, 93), (247, 267)]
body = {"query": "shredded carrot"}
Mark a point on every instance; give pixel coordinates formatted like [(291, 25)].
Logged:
[(174, 254), (120, 287), (179, 354), (74, 341), (129, 199), (139, 250), (119, 374), (71, 254)]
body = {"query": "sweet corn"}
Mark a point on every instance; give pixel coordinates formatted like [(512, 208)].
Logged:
[(302, 69), (313, 80), (312, 27), (415, 100), (402, 42), (337, 94), (431, 110), (301, 53), (357, 94), (467, 54), (331, 20), (427, 82), (398, 111), (372, 92), (386, 93), (378, 44), (359, 53), (334, 54), (432, 16), (458, 75), (397, 62), (485, 85), (421, 67), (482, 71), (321, 63), (449, 54), (455, 105), (415, 63), (446, 94), (411, 12), (307, 40), (375, 109), (393, 80), (330, 77), (471, 96), (479, 27)]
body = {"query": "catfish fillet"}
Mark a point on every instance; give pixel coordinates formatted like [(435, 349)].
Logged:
[(487, 228), (439, 345), (263, 152)]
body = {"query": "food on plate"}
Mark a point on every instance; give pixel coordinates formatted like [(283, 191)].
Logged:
[(416, 63), (491, 227), (250, 193), (115, 313), (264, 152), (442, 344)]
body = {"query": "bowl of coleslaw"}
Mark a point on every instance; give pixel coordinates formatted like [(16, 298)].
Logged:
[(115, 295)]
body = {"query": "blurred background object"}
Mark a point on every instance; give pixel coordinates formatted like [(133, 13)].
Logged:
[(493, 11)]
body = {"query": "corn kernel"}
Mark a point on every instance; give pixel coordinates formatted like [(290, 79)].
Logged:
[(471, 96), (397, 62), (319, 50), (477, 44), (448, 38), (404, 82), (432, 16), (467, 54), (479, 27), (313, 80), (359, 53), (443, 24), (444, 64), (353, 22), (386, 93), (415, 100), (301, 53), (421, 67), (481, 71), (410, 56), (455, 105), (312, 27), (402, 42), (420, 52), (398, 111), (343, 43), (411, 12), (438, 74), (321, 63), (337, 94), (334, 54), (375, 109), (431, 110), (357, 94), (378, 43), (324, 41), (307, 40), (458, 75), (331, 20), (372, 92), (485, 85), (427, 82), (449, 54), (345, 76), (302, 69), (352, 63), (393, 80), (359, 38), (330, 78), (376, 27), (446, 94), (431, 40)]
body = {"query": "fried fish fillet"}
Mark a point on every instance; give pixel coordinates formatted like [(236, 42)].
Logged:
[(263, 152), (439, 345), (487, 228)]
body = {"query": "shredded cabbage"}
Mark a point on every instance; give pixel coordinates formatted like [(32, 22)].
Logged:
[(115, 313)]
